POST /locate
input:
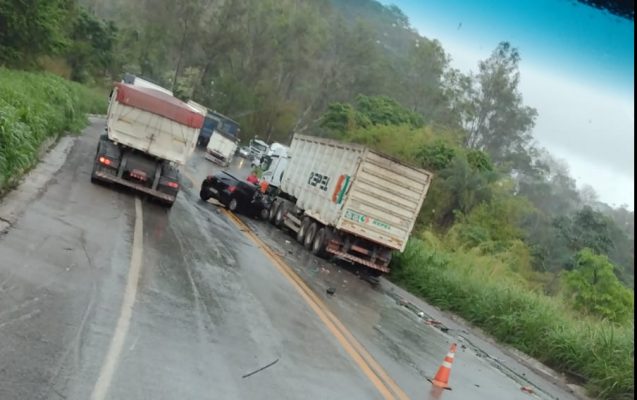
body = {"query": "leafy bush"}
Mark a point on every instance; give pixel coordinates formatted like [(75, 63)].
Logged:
[(367, 112), (593, 287), (487, 293), (35, 107), (436, 156)]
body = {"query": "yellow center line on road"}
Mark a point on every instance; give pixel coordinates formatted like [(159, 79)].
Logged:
[(370, 367), (379, 377), (126, 312)]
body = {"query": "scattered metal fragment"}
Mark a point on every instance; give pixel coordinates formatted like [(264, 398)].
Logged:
[(261, 369)]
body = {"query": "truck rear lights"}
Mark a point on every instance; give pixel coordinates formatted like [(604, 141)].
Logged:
[(173, 185), (105, 161)]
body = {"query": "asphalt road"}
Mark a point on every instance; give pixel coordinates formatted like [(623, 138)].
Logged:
[(106, 296)]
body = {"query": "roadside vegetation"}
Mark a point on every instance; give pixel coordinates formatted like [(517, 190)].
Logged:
[(505, 238), (558, 298), (36, 108)]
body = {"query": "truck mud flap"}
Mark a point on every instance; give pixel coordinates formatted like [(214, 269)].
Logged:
[(357, 260), (103, 176)]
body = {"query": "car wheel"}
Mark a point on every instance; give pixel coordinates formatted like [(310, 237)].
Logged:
[(300, 235), (319, 243), (233, 205), (309, 236), (203, 195), (264, 214)]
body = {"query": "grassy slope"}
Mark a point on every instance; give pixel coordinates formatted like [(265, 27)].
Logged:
[(475, 288), (35, 107)]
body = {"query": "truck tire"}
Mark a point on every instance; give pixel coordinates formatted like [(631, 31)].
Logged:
[(272, 211), (94, 170), (320, 242), (309, 235), (280, 212), (93, 176), (300, 235)]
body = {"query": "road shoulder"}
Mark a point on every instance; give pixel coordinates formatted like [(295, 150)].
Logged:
[(515, 364), (33, 183)]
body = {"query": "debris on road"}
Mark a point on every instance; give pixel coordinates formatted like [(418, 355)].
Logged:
[(261, 369), (527, 389), (331, 291)]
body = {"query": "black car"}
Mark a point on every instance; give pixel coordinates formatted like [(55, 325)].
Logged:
[(234, 193)]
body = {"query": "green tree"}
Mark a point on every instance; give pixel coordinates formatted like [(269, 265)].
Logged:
[(90, 52), (493, 113), (436, 156), (460, 189), (30, 29), (368, 111), (586, 228), (592, 287)]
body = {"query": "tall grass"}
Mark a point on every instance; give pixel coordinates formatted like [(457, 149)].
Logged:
[(598, 352), (35, 107)]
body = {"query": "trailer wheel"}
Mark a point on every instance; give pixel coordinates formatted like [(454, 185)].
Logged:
[(300, 235), (320, 242), (280, 211), (272, 211), (309, 235)]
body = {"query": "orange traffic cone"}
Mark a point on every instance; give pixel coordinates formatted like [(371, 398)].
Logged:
[(441, 379)]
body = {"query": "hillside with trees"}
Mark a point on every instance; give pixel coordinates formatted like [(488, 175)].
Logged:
[(526, 253)]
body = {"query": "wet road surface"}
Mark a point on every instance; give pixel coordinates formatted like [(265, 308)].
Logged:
[(202, 307)]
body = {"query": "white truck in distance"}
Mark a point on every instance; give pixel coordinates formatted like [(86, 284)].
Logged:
[(258, 148), (148, 134), (348, 201), (221, 148)]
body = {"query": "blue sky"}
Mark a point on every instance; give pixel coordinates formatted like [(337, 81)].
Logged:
[(577, 70)]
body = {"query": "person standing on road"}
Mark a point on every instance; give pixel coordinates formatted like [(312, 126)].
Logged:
[(253, 178)]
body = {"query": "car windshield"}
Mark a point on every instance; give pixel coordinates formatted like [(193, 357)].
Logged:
[(317, 199)]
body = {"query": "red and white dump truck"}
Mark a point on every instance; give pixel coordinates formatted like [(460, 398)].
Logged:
[(149, 133), (348, 201)]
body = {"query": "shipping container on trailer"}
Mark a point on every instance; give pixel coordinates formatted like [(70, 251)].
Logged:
[(367, 202)]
